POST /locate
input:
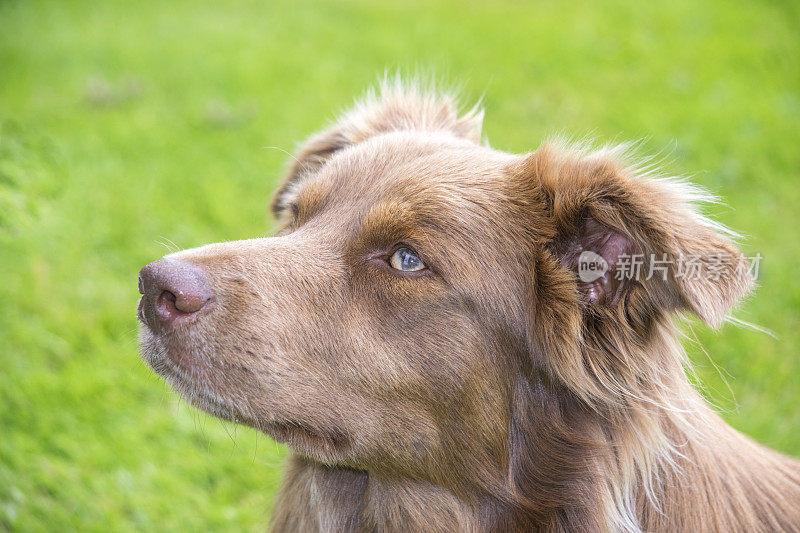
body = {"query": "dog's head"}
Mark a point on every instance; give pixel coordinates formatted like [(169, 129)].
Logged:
[(418, 276)]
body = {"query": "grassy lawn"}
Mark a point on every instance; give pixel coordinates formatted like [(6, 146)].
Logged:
[(125, 127)]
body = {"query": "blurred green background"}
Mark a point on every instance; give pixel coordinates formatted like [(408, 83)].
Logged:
[(128, 126)]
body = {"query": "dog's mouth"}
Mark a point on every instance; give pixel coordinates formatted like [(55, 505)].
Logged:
[(191, 374), (169, 356), (189, 371)]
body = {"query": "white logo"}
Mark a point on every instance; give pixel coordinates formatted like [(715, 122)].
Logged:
[(591, 266)]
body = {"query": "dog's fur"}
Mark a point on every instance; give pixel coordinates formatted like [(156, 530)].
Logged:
[(495, 390)]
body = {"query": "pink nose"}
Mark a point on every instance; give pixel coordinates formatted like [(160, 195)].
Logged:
[(173, 292)]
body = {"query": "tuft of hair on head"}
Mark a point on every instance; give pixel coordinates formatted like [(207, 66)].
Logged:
[(397, 104)]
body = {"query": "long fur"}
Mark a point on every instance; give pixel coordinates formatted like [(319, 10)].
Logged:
[(517, 397)]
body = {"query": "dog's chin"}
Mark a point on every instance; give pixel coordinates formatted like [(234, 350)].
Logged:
[(330, 447)]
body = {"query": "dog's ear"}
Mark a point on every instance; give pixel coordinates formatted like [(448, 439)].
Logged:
[(309, 158), (397, 106), (635, 244)]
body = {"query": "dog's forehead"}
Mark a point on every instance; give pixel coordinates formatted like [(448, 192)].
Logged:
[(416, 166)]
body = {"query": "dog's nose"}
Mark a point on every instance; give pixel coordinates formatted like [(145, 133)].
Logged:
[(173, 291)]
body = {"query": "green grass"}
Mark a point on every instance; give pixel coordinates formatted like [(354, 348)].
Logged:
[(126, 124)]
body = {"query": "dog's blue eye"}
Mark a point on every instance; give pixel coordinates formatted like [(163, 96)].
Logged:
[(406, 260)]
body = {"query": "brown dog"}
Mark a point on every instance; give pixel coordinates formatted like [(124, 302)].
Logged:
[(451, 337)]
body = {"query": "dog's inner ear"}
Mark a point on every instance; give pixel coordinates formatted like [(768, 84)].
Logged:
[(631, 239), (594, 252)]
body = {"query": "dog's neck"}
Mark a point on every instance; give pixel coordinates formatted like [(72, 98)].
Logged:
[(724, 484), (546, 481), (569, 468), (320, 498)]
